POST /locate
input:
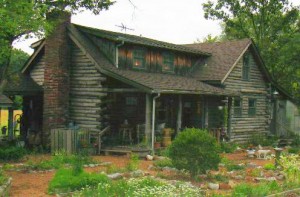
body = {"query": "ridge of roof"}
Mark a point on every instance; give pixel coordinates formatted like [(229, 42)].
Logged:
[(116, 36)]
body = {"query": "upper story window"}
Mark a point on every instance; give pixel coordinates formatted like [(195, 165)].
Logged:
[(168, 62), (237, 107), (251, 107), (139, 58), (246, 67)]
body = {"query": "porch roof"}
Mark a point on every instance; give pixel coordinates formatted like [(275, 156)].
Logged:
[(19, 84), (148, 82), (5, 101)]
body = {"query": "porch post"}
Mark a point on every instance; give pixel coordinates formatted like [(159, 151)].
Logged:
[(179, 113), (10, 123), (148, 119), (206, 114)]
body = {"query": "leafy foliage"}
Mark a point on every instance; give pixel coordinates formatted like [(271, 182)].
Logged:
[(166, 162), (65, 181), (290, 165), (228, 147), (260, 190), (12, 153), (277, 41), (140, 187), (133, 162), (195, 150), (23, 17)]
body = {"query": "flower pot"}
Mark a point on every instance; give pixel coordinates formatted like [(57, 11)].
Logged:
[(166, 141), (157, 144), (167, 132)]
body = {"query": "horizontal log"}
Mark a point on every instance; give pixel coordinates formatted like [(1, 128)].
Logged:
[(88, 112), (85, 100), (77, 93), (85, 104), (89, 119), (73, 107)]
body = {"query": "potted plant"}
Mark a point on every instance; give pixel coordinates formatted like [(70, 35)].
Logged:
[(157, 143)]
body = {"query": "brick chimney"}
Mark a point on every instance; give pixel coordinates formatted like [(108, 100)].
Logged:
[(56, 76)]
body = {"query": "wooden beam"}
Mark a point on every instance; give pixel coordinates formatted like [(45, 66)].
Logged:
[(122, 90), (179, 113)]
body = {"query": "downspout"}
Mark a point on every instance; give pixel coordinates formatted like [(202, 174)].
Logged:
[(117, 52), (153, 121)]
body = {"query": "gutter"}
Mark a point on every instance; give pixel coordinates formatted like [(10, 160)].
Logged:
[(117, 53), (153, 120)]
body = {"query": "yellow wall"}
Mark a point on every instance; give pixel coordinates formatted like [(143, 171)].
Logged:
[(4, 117)]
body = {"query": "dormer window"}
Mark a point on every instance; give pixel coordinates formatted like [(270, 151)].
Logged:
[(168, 62), (246, 67), (139, 58)]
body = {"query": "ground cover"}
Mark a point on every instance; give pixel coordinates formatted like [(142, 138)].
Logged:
[(237, 174)]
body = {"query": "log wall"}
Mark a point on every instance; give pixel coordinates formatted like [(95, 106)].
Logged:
[(245, 126), (38, 70), (86, 92)]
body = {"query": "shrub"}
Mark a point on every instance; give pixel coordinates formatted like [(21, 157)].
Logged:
[(195, 151), (12, 153), (66, 181), (290, 165), (294, 150), (263, 140), (230, 166), (269, 166), (166, 162), (142, 187), (228, 147), (259, 190), (3, 178), (133, 163)]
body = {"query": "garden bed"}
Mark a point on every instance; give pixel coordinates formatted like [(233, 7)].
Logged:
[(5, 187)]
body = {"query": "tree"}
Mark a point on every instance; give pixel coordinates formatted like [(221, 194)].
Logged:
[(271, 24), (27, 17)]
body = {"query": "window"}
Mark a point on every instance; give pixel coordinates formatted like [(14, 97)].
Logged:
[(237, 107), (246, 67), (131, 101), (168, 62), (252, 107), (139, 58)]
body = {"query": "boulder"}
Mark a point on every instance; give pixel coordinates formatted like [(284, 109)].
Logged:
[(213, 186), (115, 176)]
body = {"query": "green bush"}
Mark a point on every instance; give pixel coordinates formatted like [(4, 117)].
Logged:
[(269, 166), (259, 190), (3, 178), (263, 140), (12, 153), (195, 151), (294, 150), (65, 181), (228, 147), (166, 162), (230, 165), (133, 163)]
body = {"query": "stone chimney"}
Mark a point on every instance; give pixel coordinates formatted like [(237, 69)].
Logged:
[(56, 76)]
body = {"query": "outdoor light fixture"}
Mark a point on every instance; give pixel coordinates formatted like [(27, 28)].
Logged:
[(275, 93), (220, 107)]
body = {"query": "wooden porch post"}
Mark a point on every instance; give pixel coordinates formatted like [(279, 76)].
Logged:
[(10, 123), (148, 118), (206, 114), (179, 113)]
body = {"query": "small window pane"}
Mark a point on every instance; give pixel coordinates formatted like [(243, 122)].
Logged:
[(246, 67), (237, 107), (168, 62), (139, 57), (131, 101), (252, 107)]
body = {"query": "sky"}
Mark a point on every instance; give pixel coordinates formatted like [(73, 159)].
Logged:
[(175, 21)]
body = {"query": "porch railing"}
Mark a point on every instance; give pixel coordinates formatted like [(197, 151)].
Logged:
[(217, 133)]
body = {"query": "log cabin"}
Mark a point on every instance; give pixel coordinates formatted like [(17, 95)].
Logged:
[(96, 78)]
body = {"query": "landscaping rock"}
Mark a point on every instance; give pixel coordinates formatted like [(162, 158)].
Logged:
[(213, 186), (137, 173), (169, 169), (231, 183), (115, 176), (280, 177), (92, 165), (271, 178), (159, 158), (105, 164), (149, 157), (251, 165), (224, 186), (239, 177)]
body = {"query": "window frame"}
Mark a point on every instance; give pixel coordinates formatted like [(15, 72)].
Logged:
[(252, 110), (139, 54), (237, 110), (168, 60), (246, 67)]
